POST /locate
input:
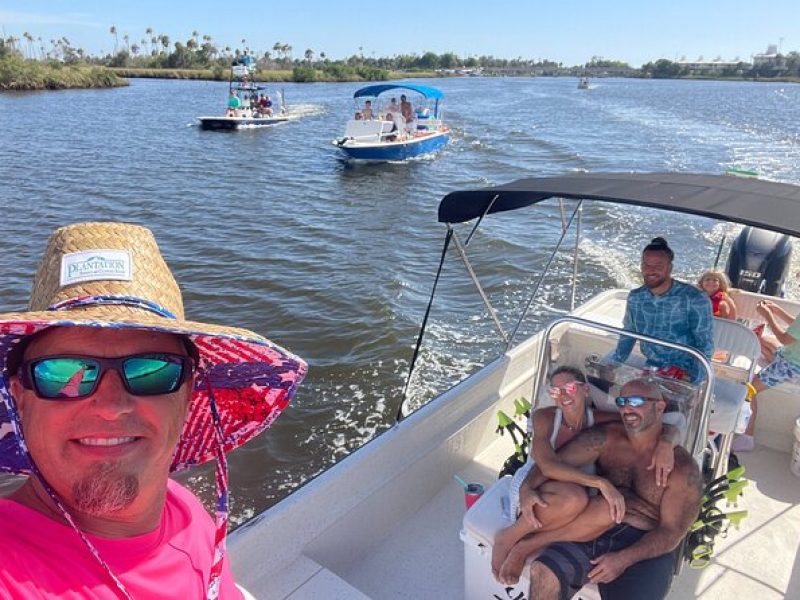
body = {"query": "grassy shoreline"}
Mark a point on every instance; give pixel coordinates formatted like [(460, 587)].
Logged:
[(25, 75)]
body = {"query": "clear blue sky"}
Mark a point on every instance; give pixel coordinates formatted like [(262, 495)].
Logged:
[(570, 32)]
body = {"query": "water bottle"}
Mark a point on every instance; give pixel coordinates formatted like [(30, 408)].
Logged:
[(744, 418)]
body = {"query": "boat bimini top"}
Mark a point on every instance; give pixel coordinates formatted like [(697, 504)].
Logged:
[(378, 89), (749, 201)]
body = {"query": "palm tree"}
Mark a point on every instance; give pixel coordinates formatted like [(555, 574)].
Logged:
[(277, 48), (29, 38), (113, 31), (323, 57), (309, 54), (127, 39), (165, 41)]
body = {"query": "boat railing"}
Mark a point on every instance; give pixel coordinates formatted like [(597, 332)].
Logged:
[(698, 427)]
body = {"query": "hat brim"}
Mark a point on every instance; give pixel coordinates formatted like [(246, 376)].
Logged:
[(250, 378)]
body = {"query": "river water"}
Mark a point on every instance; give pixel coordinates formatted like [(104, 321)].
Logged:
[(269, 230)]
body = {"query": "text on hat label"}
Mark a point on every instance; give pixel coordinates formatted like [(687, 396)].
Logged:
[(96, 265)]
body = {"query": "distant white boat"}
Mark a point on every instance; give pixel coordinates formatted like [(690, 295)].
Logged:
[(249, 105)]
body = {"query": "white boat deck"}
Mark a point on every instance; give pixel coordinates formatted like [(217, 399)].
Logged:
[(422, 557)]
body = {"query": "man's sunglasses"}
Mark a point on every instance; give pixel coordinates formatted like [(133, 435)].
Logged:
[(634, 401), (71, 377), (570, 388)]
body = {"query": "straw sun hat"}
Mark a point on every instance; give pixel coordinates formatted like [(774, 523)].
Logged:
[(113, 275)]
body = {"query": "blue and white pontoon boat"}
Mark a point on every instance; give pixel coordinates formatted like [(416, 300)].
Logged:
[(389, 131), (249, 105)]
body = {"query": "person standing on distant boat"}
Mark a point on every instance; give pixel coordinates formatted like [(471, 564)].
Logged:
[(108, 389), (670, 310), (366, 112), (393, 107), (405, 109)]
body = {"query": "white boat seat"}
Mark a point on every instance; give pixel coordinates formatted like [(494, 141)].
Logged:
[(736, 347), (728, 397), (736, 350), (366, 130)]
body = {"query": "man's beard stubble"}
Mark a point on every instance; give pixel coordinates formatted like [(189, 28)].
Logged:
[(105, 490)]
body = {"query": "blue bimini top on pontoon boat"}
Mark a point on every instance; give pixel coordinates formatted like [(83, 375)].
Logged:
[(377, 90)]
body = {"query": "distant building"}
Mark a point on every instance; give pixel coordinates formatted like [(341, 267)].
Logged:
[(770, 58), (710, 66)]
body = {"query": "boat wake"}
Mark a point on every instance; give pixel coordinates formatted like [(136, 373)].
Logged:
[(298, 111)]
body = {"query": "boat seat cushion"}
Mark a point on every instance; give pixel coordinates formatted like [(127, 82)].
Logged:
[(728, 397)]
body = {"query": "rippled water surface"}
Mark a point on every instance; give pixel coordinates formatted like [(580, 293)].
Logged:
[(269, 230)]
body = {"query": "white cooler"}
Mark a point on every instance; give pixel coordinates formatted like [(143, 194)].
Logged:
[(481, 522)]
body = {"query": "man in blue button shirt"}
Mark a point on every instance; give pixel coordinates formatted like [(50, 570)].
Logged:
[(667, 309)]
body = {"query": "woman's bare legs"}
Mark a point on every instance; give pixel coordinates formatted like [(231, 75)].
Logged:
[(564, 500), (593, 521)]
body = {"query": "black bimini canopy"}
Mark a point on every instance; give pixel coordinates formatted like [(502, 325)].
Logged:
[(762, 204)]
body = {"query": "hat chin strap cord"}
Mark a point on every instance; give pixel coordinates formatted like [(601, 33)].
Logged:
[(133, 301), (222, 508)]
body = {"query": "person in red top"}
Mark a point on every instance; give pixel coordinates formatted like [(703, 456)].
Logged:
[(717, 285), (106, 389)]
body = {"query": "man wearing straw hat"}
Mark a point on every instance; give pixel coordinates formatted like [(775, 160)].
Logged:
[(106, 389)]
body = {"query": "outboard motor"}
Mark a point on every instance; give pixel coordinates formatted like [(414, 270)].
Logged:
[(759, 261)]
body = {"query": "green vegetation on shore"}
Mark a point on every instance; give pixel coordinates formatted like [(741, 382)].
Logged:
[(26, 63), (19, 74)]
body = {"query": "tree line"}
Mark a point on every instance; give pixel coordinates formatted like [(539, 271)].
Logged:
[(200, 51)]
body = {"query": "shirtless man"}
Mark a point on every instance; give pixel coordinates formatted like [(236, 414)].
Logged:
[(405, 109), (366, 112), (632, 559)]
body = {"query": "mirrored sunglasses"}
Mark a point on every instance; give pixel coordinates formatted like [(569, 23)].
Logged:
[(71, 377), (570, 388), (634, 401)]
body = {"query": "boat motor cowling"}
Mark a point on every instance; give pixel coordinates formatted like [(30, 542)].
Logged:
[(759, 261)]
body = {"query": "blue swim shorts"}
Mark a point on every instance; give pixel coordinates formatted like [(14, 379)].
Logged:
[(570, 562)]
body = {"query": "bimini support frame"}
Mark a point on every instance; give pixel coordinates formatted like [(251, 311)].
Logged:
[(461, 249)]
